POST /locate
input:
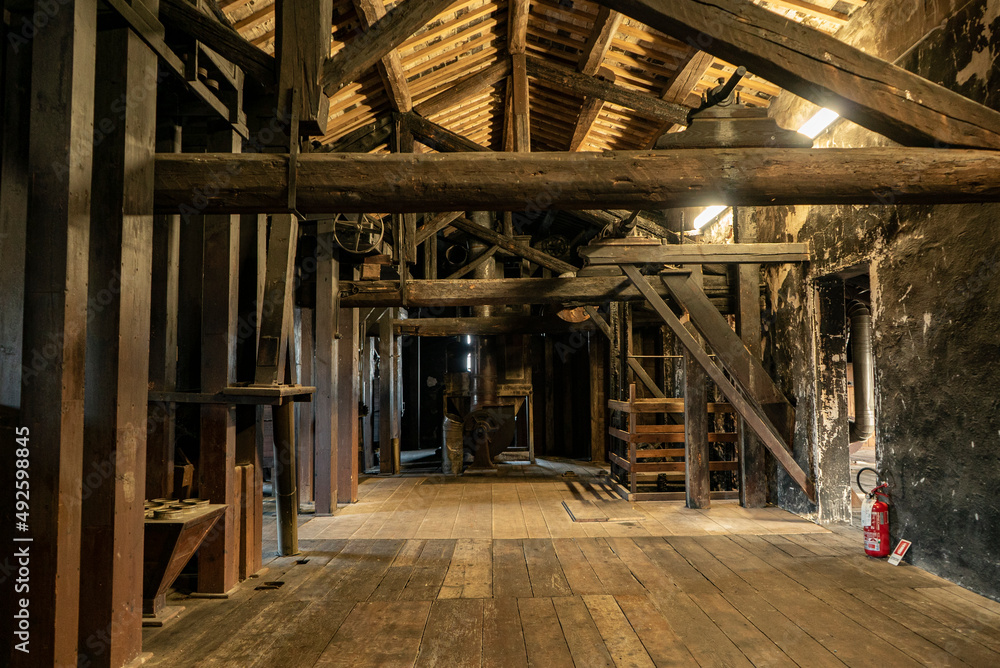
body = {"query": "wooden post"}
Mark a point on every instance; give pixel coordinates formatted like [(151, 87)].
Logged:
[(302, 43), (347, 402), (61, 124), (519, 104), (387, 392), (16, 99), (550, 398), (366, 378), (275, 323), (327, 397), (114, 444), (598, 398), (218, 557), (306, 412), (249, 439), (696, 478), (163, 336), (753, 455)]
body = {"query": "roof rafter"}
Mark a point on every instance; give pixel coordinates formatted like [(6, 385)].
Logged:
[(390, 67), (601, 35), (384, 36), (816, 66)]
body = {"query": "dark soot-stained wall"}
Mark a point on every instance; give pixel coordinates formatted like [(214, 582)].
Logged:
[(935, 276)]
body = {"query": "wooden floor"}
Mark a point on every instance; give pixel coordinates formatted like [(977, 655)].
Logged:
[(494, 572)]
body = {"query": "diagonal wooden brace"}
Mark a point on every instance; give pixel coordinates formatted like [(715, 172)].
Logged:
[(730, 350), (741, 400)]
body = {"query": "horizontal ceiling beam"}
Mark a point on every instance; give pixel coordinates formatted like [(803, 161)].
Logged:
[(632, 253), (361, 183), (871, 92), (504, 291)]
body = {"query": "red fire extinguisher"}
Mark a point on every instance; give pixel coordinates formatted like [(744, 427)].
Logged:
[(875, 518)]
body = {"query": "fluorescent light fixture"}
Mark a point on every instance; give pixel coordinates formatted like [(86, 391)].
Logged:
[(708, 215), (823, 119)]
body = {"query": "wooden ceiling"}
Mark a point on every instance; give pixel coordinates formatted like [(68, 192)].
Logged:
[(471, 35)]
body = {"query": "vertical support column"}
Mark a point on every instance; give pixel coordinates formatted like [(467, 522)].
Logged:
[(519, 104), (833, 459), (306, 412), (328, 395), (60, 127), (110, 625), (550, 396), (404, 144), (387, 393), (696, 478), (598, 399), (347, 402), (249, 440), (365, 379), (163, 336), (753, 455), (16, 79), (218, 557)]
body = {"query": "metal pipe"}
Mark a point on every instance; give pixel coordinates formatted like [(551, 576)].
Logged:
[(285, 493), (864, 372), (488, 269), (483, 389)]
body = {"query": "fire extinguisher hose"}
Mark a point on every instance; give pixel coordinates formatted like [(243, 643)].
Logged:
[(874, 491)]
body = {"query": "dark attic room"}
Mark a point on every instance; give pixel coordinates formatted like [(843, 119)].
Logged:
[(499, 333)]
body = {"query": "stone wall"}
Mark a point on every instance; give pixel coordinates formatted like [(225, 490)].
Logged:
[(935, 278)]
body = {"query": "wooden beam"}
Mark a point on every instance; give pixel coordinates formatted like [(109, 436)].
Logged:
[(328, 376), (697, 485), (501, 292), (520, 108), (601, 35), (118, 351), (753, 461), (513, 246), (488, 326), (163, 337), (597, 351), (302, 45), (590, 86), (820, 68), (589, 113), (430, 229), (357, 183), (694, 253), (747, 410), (60, 127), (390, 67), (149, 28), (365, 139), (278, 291), (475, 264), (384, 36), (348, 398), (689, 74), (440, 138), (466, 88), (517, 26), (221, 38), (218, 561), (403, 144), (387, 361)]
